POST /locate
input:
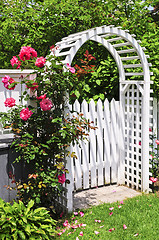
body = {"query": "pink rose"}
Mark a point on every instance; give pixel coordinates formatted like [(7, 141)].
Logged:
[(61, 178), (24, 54), (27, 52), (152, 179), (15, 61), (25, 114), (7, 81), (9, 102), (40, 62), (46, 104), (32, 52), (71, 69), (157, 142), (41, 97), (11, 80)]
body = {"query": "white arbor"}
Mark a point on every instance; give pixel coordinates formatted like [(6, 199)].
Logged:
[(134, 97)]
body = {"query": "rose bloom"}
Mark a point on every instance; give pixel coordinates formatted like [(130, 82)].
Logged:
[(40, 62), (11, 80), (157, 142), (34, 86), (25, 114), (32, 52), (46, 104), (27, 52), (15, 61), (152, 179), (24, 53), (7, 81), (71, 69), (9, 102), (61, 178)]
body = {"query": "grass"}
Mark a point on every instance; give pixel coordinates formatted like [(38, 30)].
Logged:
[(139, 214)]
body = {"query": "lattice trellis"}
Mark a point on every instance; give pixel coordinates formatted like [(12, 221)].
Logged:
[(133, 136)]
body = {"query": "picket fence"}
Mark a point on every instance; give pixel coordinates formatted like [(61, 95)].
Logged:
[(99, 159)]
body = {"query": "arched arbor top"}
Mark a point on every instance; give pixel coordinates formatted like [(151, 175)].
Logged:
[(125, 49)]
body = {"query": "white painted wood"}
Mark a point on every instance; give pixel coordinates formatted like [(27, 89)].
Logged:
[(134, 74), (77, 150), (113, 137), (93, 145), (70, 177), (114, 39), (106, 126), (121, 44), (130, 58), (121, 143), (126, 51), (132, 65), (135, 65), (100, 142), (85, 150)]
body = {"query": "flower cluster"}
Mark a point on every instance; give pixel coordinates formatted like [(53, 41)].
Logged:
[(27, 53)]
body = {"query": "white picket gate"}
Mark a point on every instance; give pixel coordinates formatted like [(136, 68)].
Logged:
[(98, 158)]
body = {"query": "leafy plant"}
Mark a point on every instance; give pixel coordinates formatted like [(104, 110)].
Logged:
[(18, 221)]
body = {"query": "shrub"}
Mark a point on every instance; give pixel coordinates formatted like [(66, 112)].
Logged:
[(18, 221)]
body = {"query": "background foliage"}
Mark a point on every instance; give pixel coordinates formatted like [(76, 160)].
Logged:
[(42, 23)]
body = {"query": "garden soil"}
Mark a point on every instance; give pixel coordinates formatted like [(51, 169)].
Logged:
[(99, 195)]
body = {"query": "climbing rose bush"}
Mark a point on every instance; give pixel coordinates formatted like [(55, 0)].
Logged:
[(41, 128)]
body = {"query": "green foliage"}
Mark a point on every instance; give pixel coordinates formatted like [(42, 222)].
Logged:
[(102, 81), (21, 222)]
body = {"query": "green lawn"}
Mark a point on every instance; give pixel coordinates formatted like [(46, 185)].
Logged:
[(139, 214)]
